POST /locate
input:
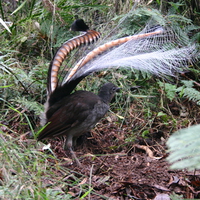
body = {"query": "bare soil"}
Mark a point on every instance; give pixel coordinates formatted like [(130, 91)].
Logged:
[(120, 164), (117, 169)]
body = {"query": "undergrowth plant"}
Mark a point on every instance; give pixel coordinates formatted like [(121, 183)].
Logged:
[(187, 90), (27, 173), (184, 148)]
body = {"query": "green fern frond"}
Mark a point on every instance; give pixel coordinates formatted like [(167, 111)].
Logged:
[(186, 90), (192, 95), (143, 14), (188, 84), (184, 148), (179, 18), (169, 89), (29, 105), (189, 92)]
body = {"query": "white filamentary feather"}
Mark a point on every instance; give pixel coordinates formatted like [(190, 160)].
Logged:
[(162, 54), (157, 62)]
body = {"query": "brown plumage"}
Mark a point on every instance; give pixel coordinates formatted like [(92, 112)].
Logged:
[(77, 114), (76, 109), (71, 115)]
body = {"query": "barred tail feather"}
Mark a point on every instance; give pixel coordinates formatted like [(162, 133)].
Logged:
[(87, 38)]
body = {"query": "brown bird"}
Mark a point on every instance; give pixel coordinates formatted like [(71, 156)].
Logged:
[(72, 115), (77, 114)]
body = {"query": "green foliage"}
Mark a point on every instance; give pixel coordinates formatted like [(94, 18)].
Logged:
[(184, 148), (26, 173), (136, 19), (29, 105), (169, 89), (21, 81), (178, 197), (189, 92), (22, 168), (129, 22), (186, 90)]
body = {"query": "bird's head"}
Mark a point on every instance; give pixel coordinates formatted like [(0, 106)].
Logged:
[(107, 92)]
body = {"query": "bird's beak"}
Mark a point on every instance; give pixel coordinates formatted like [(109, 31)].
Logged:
[(118, 89), (134, 88)]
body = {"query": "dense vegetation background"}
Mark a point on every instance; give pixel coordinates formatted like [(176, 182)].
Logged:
[(30, 33)]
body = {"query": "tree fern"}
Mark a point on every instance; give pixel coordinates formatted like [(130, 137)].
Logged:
[(184, 148), (29, 105), (189, 92)]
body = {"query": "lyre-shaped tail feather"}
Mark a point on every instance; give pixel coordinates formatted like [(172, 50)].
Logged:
[(87, 38)]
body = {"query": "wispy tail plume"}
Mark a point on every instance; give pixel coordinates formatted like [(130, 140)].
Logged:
[(160, 52), (107, 46)]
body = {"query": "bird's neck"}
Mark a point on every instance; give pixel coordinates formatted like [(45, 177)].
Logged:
[(104, 96)]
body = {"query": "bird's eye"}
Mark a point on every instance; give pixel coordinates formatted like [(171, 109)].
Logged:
[(114, 88)]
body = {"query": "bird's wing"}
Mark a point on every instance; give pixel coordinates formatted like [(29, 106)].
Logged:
[(70, 112)]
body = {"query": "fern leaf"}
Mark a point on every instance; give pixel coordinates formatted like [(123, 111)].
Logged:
[(30, 105), (184, 148)]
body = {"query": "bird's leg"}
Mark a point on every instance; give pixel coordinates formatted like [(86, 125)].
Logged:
[(74, 157), (68, 145)]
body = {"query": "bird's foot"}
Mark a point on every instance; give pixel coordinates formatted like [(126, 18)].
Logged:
[(74, 157)]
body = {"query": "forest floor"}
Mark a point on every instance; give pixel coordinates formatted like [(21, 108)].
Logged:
[(116, 169), (118, 162)]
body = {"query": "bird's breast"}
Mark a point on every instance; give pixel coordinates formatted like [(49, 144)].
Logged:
[(99, 111)]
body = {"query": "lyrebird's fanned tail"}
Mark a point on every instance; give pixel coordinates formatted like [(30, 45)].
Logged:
[(89, 37), (162, 52), (106, 47)]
